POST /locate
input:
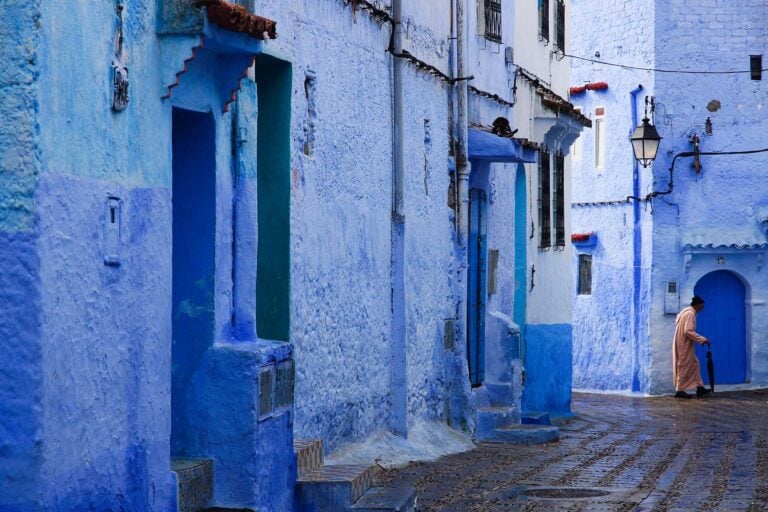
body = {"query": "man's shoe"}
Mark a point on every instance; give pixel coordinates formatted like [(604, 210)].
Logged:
[(682, 394), (702, 392)]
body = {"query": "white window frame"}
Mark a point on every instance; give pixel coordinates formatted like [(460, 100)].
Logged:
[(599, 131)]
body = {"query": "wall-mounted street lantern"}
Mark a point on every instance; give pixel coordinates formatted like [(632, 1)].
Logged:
[(645, 143)]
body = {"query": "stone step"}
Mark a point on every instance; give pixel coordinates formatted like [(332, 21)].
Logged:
[(386, 499), (195, 478), (500, 393), (333, 488), (219, 509), (309, 455), (526, 434), (535, 418), (491, 418)]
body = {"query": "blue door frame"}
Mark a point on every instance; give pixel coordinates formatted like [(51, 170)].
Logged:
[(723, 320), (477, 284)]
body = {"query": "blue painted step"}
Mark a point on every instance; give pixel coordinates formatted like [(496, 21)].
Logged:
[(500, 393), (333, 488), (526, 434), (219, 509), (535, 418), (491, 418), (195, 480), (386, 499), (309, 455)]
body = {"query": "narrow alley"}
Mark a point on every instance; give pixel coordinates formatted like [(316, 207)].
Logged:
[(619, 454)]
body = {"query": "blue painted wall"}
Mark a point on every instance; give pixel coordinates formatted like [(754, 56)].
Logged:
[(611, 348), (86, 418), (194, 238), (21, 379), (680, 241), (548, 369)]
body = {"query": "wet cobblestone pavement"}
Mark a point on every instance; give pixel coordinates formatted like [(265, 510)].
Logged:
[(645, 454)]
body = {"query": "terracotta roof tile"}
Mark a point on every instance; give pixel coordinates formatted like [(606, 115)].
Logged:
[(237, 18)]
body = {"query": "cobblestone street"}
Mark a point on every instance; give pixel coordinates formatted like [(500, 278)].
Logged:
[(621, 454)]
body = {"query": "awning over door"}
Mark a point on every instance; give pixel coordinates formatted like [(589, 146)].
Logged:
[(492, 148)]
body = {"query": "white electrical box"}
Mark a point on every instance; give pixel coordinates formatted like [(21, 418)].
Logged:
[(112, 218), (671, 299), (509, 55)]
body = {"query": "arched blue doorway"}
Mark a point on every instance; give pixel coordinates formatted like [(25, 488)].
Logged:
[(723, 320)]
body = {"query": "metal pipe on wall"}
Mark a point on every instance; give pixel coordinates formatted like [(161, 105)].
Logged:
[(462, 159), (399, 363), (637, 241)]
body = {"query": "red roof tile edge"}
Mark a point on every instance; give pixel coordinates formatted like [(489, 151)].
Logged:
[(237, 18)]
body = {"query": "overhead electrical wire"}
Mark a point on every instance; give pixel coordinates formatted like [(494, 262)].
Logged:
[(661, 70), (649, 197)]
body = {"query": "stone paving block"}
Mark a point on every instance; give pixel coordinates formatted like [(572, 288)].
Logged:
[(701, 455)]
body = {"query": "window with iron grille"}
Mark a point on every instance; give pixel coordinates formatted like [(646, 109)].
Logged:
[(544, 20), (545, 228), (585, 274), (492, 16), (558, 203), (560, 26)]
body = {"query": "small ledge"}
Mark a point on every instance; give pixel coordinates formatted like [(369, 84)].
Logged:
[(584, 240)]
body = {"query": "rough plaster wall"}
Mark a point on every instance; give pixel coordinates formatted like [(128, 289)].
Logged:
[(485, 59), (548, 302), (537, 56), (731, 191), (501, 235), (340, 307), (106, 330), (20, 377), (341, 216), (605, 355), (429, 250)]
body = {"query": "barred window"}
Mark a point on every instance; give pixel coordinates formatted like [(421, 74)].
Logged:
[(558, 203), (545, 228), (585, 274), (560, 26), (492, 17), (544, 20)]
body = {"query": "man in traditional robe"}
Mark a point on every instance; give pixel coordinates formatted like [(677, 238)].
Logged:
[(686, 372)]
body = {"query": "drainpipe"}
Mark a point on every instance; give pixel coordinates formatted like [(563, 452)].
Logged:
[(462, 159), (637, 247), (398, 377)]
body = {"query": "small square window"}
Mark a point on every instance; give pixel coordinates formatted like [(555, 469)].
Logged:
[(585, 274)]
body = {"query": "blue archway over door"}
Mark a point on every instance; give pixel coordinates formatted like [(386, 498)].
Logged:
[(723, 320)]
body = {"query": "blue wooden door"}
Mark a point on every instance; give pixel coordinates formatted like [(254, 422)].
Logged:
[(477, 285), (723, 321)]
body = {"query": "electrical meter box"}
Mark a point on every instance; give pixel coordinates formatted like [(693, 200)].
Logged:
[(671, 299)]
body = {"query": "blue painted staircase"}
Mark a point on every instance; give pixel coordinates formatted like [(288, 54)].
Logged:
[(195, 483), (498, 420), (343, 488)]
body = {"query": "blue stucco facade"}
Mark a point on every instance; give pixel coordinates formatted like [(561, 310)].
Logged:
[(88, 227), (548, 370), (170, 269), (650, 258)]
